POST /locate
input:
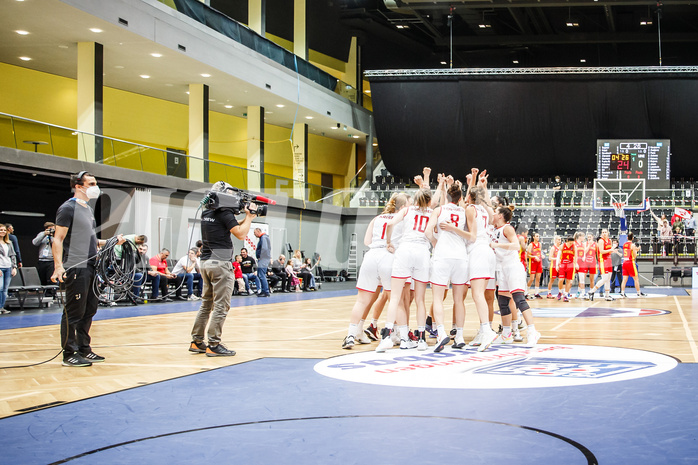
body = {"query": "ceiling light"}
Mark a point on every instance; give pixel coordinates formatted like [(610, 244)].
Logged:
[(229, 106), (95, 29), (444, 63), (22, 33), (187, 92), (484, 25), (643, 22), (402, 26), (375, 144), (25, 58), (156, 55), (583, 60), (280, 106), (119, 67), (205, 75), (571, 21), (308, 117), (62, 46), (355, 137), (145, 76), (516, 62), (367, 91), (335, 127), (269, 112)]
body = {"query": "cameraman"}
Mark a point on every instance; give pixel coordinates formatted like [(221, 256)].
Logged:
[(217, 272), (43, 241)]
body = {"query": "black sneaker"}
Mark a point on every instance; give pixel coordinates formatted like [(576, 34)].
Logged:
[(442, 344), (197, 347), (219, 350), (76, 360), (92, 357)]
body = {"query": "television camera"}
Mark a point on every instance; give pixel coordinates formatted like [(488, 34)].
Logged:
[(223, 195)]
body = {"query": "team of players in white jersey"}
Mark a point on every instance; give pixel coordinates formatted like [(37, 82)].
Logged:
[(473, 248)]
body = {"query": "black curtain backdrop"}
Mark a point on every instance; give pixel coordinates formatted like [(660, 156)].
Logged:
[(530, 126)]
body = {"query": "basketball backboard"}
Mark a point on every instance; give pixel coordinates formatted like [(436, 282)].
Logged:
[(610, 191)]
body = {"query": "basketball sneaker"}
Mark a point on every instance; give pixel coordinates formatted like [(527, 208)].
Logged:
[(623, 296), (517, 336), (362, 339), (559, 295), (565, 299), (394, 337), (412, 336), (538, 296), (609, 298), (591, 296), (422, 343), (486, 341), (504, 339), (458, 342), (532, 337), (442, 344), (348, 342), (371, 332), (550, 295), (642, 294), (386, 341), (476, 341), (407, 344)]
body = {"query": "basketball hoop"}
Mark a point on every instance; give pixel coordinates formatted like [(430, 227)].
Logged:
[(619, 207)]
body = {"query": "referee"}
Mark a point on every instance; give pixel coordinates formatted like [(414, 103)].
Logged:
[(74, 250), (217, 273)]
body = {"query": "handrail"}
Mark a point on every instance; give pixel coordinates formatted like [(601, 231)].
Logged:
[(139, 147)]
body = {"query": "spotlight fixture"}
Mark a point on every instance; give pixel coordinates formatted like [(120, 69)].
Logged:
[(96, 30), (402, 26), (25, 58), (145, 76), (206, 75), (571, 21), (22, 33), (646, 21), (156, 55)]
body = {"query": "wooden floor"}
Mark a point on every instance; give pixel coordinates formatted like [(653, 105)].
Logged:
[(147, 349)]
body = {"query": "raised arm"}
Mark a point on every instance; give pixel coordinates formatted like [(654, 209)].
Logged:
[(431, 226)]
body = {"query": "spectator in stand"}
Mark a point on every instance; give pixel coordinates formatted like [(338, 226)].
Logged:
[(249, 271), (15, 244), (311, 268), (238, 275), (159, 263), (300, 269), (279, 269), (184, 271), (263, 259), (690, 226), (292, 278), (557, 189), (43, 241), (144, 273)]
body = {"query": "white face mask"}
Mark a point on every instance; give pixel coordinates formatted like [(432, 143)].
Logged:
[(92, 192)]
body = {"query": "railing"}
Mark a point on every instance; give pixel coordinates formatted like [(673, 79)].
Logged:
[(242, 34), (26, 134)]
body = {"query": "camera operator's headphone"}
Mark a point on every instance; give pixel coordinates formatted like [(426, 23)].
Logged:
[(80, 175)]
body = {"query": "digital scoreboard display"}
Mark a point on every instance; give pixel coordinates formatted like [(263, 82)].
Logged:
[(635, 159)]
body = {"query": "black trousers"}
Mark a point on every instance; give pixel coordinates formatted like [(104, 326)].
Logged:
[(616, 273), (285, 282), (80, 307), (45, 269)]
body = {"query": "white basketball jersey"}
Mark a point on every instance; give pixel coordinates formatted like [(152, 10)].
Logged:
[(450, 244), (380, 226), (504, 255), (482, 219), (414, 225)]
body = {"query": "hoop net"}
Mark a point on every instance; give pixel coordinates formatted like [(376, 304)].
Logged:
[(619, 208)]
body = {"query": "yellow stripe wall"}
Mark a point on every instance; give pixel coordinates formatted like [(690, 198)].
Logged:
[(154, 122)]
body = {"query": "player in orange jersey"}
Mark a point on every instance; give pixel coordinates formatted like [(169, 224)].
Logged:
[(566, 266), (552, 255), (535, 264), (630, 250), (605, 265)]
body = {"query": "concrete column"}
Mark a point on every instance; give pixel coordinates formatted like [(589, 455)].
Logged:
[(256, 13), (90, 100), (300, 44), (198, 132), (255, 148), (300, 160)]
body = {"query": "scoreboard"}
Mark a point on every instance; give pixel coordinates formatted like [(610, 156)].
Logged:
[(635, 159)]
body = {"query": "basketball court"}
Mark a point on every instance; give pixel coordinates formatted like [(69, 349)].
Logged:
[(609, 382)]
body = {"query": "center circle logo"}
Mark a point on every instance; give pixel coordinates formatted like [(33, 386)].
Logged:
[(500, 367)]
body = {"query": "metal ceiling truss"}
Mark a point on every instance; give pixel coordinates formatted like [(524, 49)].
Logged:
[(520, 71)]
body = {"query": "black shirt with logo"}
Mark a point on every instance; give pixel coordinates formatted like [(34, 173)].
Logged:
[(80, 243), (248, 264), (215, 234)]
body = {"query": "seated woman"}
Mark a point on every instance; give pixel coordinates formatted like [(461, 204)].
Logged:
[(311, 268), (301, 269)]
